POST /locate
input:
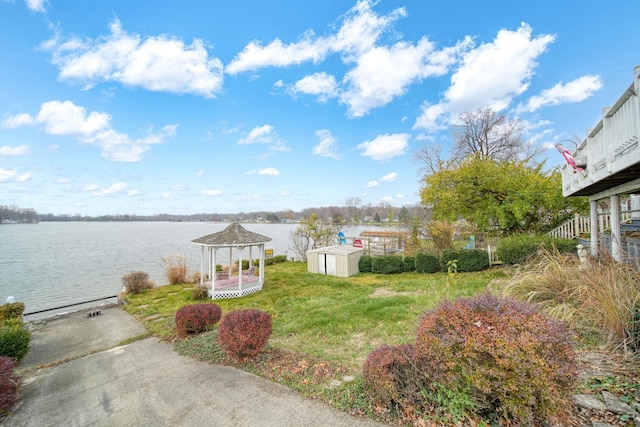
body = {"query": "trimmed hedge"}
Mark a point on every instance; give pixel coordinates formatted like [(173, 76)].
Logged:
[(244, 333), (467, 260), (11, 311), (8, 384), (409, 264), (516, 249), (387, 264), (427, 263), (197, 318), (364, 264), (14, 339), (480, 349)]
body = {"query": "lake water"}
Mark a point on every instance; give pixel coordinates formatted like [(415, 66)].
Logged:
[(52, 264)]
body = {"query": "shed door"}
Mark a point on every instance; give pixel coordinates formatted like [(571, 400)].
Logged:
[(327, 264)]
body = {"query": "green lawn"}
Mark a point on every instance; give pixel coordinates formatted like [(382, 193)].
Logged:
[(336, 320)]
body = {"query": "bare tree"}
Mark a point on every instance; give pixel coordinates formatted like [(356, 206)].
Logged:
[(432, 160), (301, 242), (352, 205), (490, 135)]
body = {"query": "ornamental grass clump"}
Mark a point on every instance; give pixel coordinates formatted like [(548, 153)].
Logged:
[(496, 357), (244, 333), (197, 318), (599, 298), (176, 269)]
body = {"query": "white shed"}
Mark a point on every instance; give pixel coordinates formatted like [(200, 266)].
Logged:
[(339, 260)]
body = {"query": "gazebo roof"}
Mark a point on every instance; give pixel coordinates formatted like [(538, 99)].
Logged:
[(233, 235)]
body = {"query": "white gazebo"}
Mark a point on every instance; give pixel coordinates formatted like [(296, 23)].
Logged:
[(226, 284)]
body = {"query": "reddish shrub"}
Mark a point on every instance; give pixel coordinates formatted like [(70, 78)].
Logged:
[(197, 318), (244, 333), (502, 355), (8, 384), (390, 378)]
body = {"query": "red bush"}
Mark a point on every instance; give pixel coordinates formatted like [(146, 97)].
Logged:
[(501, 355), (389, 377), (244, 333), (8, 384), (197, 318)]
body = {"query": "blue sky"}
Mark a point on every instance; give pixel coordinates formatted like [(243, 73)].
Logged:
[(190, 106)]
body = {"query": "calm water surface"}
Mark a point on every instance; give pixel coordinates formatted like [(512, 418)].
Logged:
[(52, 264)]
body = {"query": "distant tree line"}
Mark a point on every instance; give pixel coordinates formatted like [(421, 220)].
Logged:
[(353, 212)]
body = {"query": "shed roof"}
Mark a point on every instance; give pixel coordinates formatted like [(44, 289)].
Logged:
[(337, 249), (233, 235)]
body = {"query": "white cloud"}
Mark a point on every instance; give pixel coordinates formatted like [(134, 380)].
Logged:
[(64, 118), (211, 192), (63, 181), (326, 147), (90, 187), (372, 184), (161, 63), (384, 73), (36, 5), (285, 193), (385, 147), (385, 200), (200, 173), (134, 193), (574, 91), (390, 177), (116, 188), (20, 150), (265, 134), (269, 171), (11, 175), (359, 31), (17, 121), (490, 75), (322, 85)]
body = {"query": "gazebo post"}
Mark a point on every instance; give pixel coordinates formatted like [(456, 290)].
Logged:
[(212, 269), (201, 265), (240, 249), (261, 274)]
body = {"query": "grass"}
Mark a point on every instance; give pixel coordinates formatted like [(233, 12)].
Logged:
[(337, 320)]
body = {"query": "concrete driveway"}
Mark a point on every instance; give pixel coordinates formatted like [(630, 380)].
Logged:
[(77, 375)]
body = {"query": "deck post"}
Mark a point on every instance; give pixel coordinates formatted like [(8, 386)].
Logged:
[(593, 219), (616, 247)]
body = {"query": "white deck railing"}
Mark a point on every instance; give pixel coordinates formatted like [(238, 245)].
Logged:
[(611, 146), (581, 225)]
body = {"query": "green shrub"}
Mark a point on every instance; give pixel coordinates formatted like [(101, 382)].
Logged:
[(14, 339), (245, 263), (136, 282), (200, 292), (427, 263), (364, 264), (498, 357), (467, 260), (409, 264), (197, 318), (244, 333), (387, 264), (11, 311), (275, 260), (516, 249), (8, 384), (390, 379)]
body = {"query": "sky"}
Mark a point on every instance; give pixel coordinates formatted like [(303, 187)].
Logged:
[(183, 107)]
